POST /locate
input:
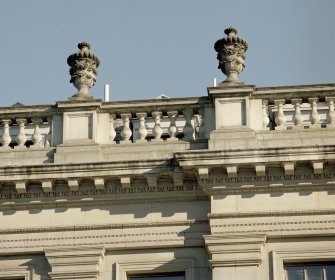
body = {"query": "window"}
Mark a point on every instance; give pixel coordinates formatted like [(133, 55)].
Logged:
[(316, 271), (159, 276), (154, 268), (284, 261)]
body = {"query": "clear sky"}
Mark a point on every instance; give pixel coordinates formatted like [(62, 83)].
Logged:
[(150, 47)]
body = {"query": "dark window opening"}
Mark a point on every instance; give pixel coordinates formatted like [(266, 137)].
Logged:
[(159, 276), (310, 271)]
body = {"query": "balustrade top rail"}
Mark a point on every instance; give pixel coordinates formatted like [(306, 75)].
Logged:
[(113, 106), (291, 92)]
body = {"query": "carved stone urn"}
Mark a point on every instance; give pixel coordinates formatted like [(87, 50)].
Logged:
[(83, 70), (231, 55)]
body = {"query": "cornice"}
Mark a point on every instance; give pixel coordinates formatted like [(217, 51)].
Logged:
[(257, 155), (85, 169)]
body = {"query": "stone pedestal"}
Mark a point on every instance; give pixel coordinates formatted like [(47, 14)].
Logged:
[(237, 116)]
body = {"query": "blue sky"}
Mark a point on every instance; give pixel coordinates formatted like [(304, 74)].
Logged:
[(150, 47)]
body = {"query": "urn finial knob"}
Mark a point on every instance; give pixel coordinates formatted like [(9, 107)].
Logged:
[(83, 70), (231, 55)]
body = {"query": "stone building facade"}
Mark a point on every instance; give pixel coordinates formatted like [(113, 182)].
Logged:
[(237, 184)]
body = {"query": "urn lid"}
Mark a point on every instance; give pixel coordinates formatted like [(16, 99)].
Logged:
[(231, 38), (82, 54)]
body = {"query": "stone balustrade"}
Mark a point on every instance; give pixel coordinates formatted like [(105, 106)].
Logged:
[(104, 123), (25, 128), (297, 107), (156, 126), (217, 117)]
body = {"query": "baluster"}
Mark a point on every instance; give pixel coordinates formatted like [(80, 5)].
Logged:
[(314, 116), (21, 138), (188, 128), (331, 113), (37, 136), (172, 130), (142, 130), (157, 130), (112, 132), (49, 136), (126, 132), (265, 115), (201, 129), (6, 139), (280, 118), (297, 117)]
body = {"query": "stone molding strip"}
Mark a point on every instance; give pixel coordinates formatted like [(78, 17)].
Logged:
[(281, 213), (102, 227), (267, 189)]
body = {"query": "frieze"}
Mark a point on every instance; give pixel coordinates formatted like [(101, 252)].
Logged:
[(240, 179), (12, 195), (274, 180)]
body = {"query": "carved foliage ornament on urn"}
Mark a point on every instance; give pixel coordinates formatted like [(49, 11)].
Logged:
[(231, 55), (83, 70)]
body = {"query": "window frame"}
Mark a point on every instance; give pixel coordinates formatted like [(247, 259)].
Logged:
[(298, 256), (306, 265), (25, 272), (151, 265)]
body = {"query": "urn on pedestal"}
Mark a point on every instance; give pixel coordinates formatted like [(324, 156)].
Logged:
[(83, 70), (231, 55)]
